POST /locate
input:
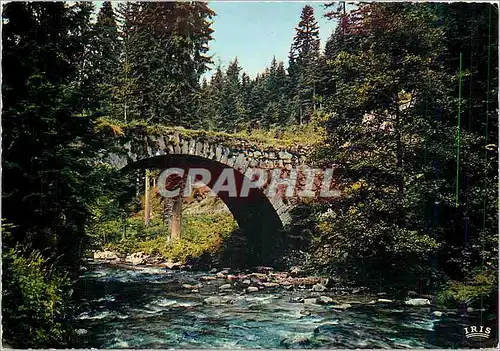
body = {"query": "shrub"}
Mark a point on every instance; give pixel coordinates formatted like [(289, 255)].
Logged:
[(35, 301)]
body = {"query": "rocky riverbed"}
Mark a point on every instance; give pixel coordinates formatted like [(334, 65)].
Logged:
[(138, 306)]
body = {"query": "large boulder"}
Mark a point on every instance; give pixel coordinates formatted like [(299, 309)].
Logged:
[(342, 306), (417, 302), (105, 255), (225, 287), (173, 265), (325, 300), (319, 287), (137, 258), (296, 271), (217, 300)]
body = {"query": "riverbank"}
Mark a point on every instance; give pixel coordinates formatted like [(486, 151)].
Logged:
[(126, 306), (323, 290)]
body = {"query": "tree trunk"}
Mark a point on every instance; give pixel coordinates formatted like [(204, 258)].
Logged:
[(175, 222), (399, 163), (124, 227), (147, 196)]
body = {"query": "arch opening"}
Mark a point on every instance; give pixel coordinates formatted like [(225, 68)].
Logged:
[(257, 219)]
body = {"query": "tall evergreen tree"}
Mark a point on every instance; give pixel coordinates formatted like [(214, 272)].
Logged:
[(49, 171), (166, 47), (303, 63), (103, 68)]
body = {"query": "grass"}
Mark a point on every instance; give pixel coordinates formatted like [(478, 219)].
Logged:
[(204, 230), (277, 138)]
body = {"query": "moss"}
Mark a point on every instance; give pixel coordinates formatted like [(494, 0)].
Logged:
[(273, 139)]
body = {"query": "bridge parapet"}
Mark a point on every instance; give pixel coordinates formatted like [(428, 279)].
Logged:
[(237, 152)]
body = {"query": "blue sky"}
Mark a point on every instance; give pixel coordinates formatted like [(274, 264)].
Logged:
[(256, 31)]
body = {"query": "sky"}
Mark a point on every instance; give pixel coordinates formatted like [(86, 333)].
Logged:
[(256, 31)]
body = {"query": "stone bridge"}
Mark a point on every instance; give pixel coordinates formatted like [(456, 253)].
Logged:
[(258, 215)]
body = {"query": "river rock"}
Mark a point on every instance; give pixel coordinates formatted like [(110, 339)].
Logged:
[(155, 260), (318, 287), (252, 289), (213, 271), (324, 300), (195, 291), (295, 342), (310, 301), (246, 282), (296, 299), (296, 271), (208, 277), (81, 332), (215, 300), (173, 265), (105, 255), (418, 302), (225, 287), (342, 306), (191, 287), (384, 300), (231, 277), (259, 276), (136, 258), (262, 269), (270, 285), (220, 275), (437, 313)]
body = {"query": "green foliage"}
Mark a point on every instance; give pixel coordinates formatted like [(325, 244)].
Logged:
[(479, 290), (391, 129), (353, 246), (35, 300), (201, 234), (165, 53)]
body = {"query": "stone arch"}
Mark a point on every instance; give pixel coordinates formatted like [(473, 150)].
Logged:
[(255, 214), (239, 157)]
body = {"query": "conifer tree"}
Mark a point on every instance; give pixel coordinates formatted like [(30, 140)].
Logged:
[(104, 66), (303, 63), (166, 45)]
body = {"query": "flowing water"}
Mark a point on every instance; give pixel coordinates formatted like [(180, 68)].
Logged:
[(148, 308)]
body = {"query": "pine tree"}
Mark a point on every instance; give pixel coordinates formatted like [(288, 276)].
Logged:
[(166, 45), (49, 172), (303, 63), (104, 62), (234, 113)]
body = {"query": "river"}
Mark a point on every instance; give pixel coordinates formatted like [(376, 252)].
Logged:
[(148, 308)]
